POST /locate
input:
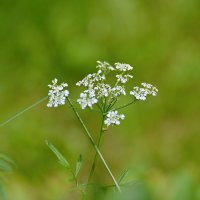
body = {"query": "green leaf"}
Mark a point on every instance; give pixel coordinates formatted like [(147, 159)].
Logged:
[(78, 165), (122, 175), (61, 158), (6, 163), (4, 166)]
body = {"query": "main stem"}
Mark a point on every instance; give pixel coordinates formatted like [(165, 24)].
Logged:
[(94, 145), (95, 157)]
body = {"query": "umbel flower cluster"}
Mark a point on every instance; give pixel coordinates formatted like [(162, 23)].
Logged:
[(57, 94), (101, 93)]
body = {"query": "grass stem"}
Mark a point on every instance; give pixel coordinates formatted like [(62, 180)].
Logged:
[(22, 111)]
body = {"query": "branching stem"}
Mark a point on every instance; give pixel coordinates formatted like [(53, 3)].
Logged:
[(125, 105), (94, 145)]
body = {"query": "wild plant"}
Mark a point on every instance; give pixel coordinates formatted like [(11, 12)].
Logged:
[(103, 97), (102, 93)]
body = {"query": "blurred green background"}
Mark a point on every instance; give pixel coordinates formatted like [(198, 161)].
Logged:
[(160, 139)]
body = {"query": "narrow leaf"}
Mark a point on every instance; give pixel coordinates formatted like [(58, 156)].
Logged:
[(6, 158), (6, 163), (4, 166), (122, 175), (78, 165), (61, 158)]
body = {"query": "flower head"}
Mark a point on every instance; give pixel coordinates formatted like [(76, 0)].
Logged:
[(123, 67), (103, 90), (142, 93), (57, 94), (104, 66), (123, 78), (91, 79), (104, 93), (87, 99), (113, 118), (118, 90)]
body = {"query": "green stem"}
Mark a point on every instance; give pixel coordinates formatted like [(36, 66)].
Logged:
[(111, 104), (95, 157), (94, 145), (125, 105)]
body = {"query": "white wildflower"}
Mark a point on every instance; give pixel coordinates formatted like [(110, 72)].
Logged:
[(87, 99), (153, 90), (139, 93), (123, 67), (57, 94), (123, 78), (86, 81), (142, 93), (113, 118), (97, 77), (118, 90), (104, 66), (103, 90), (90, 79)]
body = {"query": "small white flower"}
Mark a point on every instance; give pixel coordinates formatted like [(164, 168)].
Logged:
[(96, 77), (123, 78), (139, 93), (153, 90), (113, 118), (123, 67), (87, 99), (118, 90), (103, 90), (57, 94), (54, 81), (142, 93), (104, 66), (90, 79), (86, 81)]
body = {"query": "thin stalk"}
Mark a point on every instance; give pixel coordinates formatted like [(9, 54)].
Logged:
[(77, 182), (94, 145), (22, 111), (111, 104), (125, 105), (75, 178), (95, 157)]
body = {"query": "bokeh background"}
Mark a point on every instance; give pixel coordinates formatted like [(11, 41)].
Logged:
[(160, 139)]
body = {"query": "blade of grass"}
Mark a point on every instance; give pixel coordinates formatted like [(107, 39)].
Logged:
[(22, 111), (122, 175)]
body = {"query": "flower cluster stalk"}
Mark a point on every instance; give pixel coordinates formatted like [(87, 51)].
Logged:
[(94, 145), (95, 157)]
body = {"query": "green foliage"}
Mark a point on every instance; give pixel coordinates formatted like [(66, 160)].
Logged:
[(6, 165), (61, 159), (78, 165)]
